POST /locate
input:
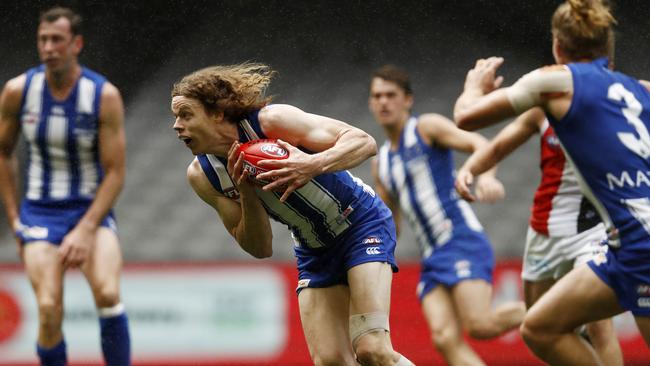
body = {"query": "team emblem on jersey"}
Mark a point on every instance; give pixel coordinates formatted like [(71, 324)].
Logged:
[(29, 118), (85, 121), (553, 141), (340, 219)]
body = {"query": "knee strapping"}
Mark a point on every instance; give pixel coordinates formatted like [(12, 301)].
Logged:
[(361, 324)]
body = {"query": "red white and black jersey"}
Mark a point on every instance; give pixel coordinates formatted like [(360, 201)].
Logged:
[(559, 208)]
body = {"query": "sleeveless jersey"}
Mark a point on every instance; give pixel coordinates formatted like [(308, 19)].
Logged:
[(605, 135), (421, 178), (317, 213), (61, 138), (559, 208)]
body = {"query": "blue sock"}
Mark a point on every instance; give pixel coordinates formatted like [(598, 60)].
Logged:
[(55, 356), (116, 343)]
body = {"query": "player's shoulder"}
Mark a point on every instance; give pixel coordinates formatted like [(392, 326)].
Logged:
[(15, 85), (432, 118), (554, 67), (12, 92), (195, 173), (276, 112), (431, 124), (199, 181)]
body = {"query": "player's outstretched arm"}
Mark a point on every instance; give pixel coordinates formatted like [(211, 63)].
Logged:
[(9, 131), (336, 146), (488, 156), (482, 103), (253, 235)]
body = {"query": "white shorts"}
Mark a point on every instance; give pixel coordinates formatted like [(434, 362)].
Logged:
[(552, 257)]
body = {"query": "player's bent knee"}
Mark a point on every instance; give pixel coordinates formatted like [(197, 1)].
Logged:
[(368, 336), (49, 309), (535, 336), (107, 297), (373, 349), (445, 338), (480, 328)]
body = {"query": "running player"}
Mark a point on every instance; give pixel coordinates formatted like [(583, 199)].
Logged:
[(344, 235), (601, 120), (414, 172), (565, 230), (72, 120)]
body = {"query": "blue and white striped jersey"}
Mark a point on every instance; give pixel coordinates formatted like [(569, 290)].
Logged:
[(317, 213), (61, 138), (421, 178)]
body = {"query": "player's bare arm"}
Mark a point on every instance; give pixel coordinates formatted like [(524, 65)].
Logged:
[(481, 104), (338, 146), (388, 199), (440, 131), (254, 236), (506, 141), (112, 149), (9, 132)]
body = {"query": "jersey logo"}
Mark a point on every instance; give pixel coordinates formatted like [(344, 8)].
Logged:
[(640, 145)]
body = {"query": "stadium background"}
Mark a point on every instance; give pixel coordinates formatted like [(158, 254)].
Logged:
[(324, 52)]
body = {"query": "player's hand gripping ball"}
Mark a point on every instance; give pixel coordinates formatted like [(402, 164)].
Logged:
[(257, 150)]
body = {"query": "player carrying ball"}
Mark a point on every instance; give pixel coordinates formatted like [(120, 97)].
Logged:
[(344, 235)]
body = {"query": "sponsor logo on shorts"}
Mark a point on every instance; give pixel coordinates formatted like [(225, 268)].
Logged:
[(643, 290), (303, 283), (643, 302), (35, 232), (463, 268), (373, 250), (372, 240)]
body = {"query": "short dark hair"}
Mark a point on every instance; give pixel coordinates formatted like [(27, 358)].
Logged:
[(53, 14), (396, 75)]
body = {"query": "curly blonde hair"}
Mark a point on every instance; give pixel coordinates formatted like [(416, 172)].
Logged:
[(234, 90), (584, 29)]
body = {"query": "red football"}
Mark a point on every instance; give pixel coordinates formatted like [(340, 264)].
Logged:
[(256, 150)]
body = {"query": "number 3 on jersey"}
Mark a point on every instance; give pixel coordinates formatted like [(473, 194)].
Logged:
[(640, 145), (639, 207)]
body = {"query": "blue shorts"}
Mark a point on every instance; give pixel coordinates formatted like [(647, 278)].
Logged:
[(371, 241), (630, 279), (464, 257), (51, 222)]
